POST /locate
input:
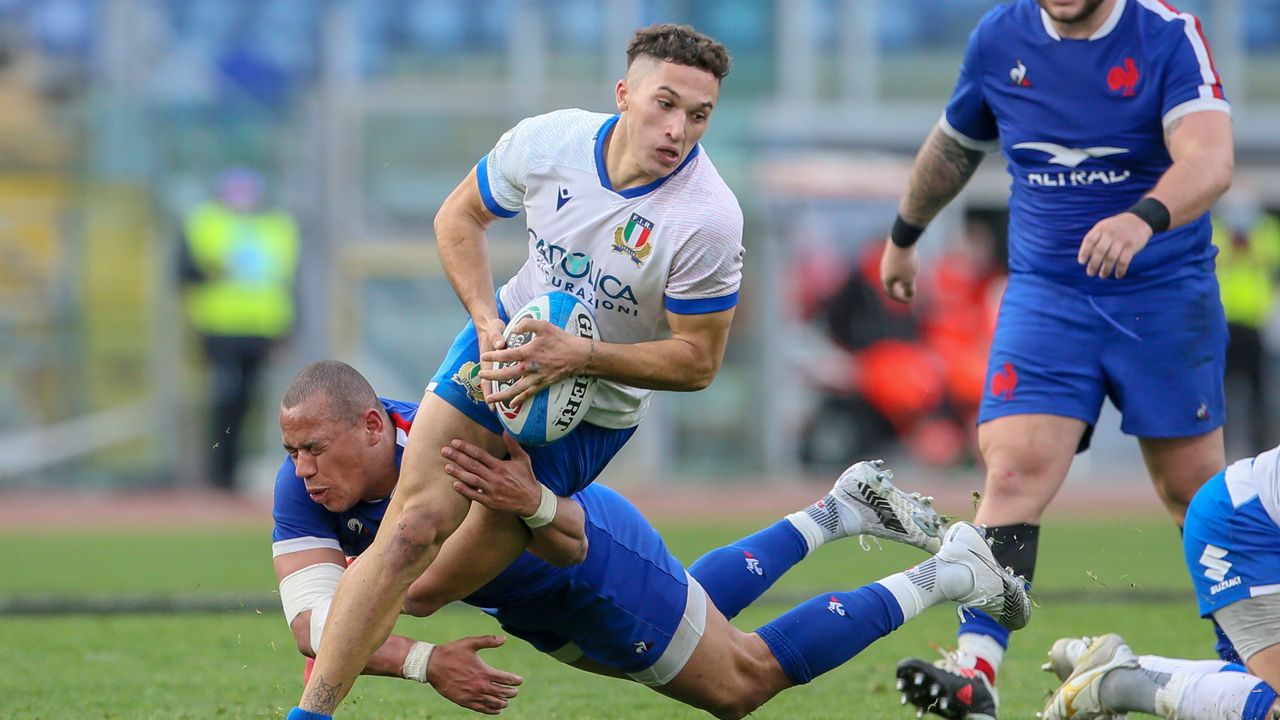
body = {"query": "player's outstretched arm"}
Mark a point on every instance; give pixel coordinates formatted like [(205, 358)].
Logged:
[(942, 168), (1203, 151), (308, 580), (558, 525)]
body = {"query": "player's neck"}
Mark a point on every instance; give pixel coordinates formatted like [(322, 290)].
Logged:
[(619, 164), (1085, 28), (387, 472)]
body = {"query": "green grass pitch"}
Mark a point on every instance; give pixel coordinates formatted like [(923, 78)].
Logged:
[(1094, 576)]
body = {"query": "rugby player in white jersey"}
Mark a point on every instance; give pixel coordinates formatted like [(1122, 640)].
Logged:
[(628, 213), (1232, 548)]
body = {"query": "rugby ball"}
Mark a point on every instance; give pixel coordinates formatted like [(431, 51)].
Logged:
[(557, 409)]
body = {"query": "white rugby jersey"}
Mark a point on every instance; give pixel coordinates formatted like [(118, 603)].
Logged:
[(1257, 477), (633, 255)]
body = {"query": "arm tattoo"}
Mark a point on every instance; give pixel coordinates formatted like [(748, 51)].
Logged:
[(1169, 131), (323, 697), (941, 170)]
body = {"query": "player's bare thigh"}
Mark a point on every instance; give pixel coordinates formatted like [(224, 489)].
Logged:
[(1179, 466), (730, 673), (1027, 458), (424, 484)]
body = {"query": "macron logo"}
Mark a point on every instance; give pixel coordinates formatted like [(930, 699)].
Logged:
[(562, 198), (1070, 157)]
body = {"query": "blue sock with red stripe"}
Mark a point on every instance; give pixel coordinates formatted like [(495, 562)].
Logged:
[(828, 630), (735, 575), (299, 714)]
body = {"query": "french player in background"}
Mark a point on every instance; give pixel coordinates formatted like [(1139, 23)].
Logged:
[(1118, 139), (626, 212)]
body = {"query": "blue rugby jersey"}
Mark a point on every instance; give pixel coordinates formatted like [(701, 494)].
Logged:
[(1081, 125)]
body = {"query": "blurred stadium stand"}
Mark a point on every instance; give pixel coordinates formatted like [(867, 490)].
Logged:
[(365, 113)]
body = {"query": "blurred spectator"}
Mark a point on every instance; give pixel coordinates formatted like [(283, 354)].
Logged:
[(238, 263), (30, 134), (913, 376), (1248, 241)]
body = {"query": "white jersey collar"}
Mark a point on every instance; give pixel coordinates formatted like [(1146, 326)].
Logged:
[(1112, 20), (602, 135)]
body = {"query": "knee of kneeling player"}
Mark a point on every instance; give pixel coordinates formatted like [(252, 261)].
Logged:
[(738, 703), (414, 539)]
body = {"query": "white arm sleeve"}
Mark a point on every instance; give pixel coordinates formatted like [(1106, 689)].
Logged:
[(311, 588)]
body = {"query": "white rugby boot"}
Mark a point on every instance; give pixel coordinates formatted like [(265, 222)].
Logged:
[(1078, 697), (870, 504), (996, 590)]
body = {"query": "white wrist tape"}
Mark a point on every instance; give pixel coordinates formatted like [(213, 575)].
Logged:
[(415, 663), (546, 511)]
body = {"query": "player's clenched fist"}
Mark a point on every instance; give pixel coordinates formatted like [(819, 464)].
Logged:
[(898, 269), (1109, 247)]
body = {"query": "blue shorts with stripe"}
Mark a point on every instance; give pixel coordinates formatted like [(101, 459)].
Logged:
[(1158, 353), (622, 606), (1232, 552), (565, 466)]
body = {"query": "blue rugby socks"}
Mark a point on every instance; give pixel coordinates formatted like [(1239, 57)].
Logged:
[(299, 714), (735, 575), (828, 630)]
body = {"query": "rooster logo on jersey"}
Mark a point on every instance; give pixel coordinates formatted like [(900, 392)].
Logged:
[(1018, 75), (633, 238)]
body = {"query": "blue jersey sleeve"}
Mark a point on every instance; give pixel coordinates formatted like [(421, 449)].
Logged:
[(1191, 81), (968, 118), (300, 523)]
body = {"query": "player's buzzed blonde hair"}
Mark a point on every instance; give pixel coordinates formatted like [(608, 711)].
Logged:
[(348, 392), (681, 45)]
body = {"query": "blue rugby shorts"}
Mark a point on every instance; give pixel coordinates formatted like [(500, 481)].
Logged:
[(1158, 353)]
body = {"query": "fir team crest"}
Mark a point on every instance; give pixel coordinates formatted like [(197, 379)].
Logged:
[(633, 238), (468, 376)]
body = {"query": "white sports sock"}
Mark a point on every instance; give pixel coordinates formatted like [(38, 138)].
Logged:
[(824, 521), (928, 584), (1173, 665), (1194, 696), (972, 646), (809, 529)]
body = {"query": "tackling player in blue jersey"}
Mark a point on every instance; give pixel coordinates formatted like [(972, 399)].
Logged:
[(628, 213), (1118, 140), (615, 601)]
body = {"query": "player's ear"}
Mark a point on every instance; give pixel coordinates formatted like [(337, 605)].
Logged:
[(621, 92), (373, 424)]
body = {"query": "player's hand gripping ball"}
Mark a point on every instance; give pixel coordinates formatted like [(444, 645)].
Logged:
[(558, 408)]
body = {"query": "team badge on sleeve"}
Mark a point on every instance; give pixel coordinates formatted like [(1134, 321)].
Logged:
[(633, 238)]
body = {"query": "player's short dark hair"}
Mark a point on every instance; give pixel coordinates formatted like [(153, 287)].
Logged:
[(681, 45), (348, 392)]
